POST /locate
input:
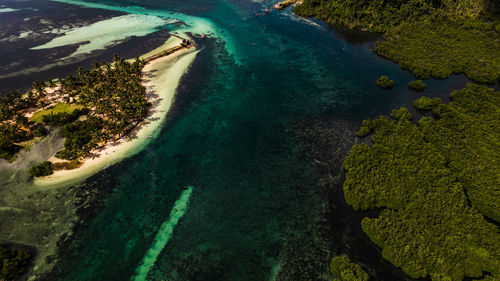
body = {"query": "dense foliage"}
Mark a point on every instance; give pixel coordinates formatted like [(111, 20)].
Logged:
[(424, 104), (345, 270), (417, 85), (41, 170), (384, 82), (14, 126), (12, 263), (441, 49), (437, 180), (429, 37), (116, 99), (10, 135), (81, 138), (113, 92), (384, 15), (110, 95)]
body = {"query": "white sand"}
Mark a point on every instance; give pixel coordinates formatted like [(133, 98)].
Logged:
[(7, 10), (166, 73), (107, 32), (163, 235)]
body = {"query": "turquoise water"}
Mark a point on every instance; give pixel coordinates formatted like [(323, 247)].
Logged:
[(256, 210)]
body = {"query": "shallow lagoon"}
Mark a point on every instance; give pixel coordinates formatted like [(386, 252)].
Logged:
[(256, 211)]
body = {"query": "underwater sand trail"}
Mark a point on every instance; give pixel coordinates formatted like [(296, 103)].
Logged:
[(163, 235)]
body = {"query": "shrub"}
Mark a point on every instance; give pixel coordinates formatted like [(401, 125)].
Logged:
[(42, 170), (40, 131), (12, 263), (384, 82), (401, 114), (345, 270), (8, 149), (417, 85), (363, 132), (426, 104)]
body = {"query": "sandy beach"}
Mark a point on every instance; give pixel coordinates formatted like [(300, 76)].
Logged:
[(162, 78)]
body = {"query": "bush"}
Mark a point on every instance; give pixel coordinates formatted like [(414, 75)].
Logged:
[(39, 131), (12, 263), (417, 85), (384, 82), (363, 132), (425, 104), (8, 149), (401, 114), (42, 170), (345, 270)]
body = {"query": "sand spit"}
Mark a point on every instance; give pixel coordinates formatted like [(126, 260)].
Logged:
[(162, 78)]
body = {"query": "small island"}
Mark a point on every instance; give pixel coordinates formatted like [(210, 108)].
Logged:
[(94, 110), (345, 270), (417, 85), (384, 82)]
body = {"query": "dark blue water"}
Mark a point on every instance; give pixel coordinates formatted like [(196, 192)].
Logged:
[(258, 210)]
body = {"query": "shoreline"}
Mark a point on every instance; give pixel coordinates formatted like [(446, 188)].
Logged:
[(162, 77)]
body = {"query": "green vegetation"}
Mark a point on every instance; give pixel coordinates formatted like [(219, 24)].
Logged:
[(436, 181), (41, 170), (81, 137), (13, 263), (384, 82), (117, 102), (39, 131), (109, 95), (428, 37), (345, 270), (10, 135), (60, 108), (425, 104), (8, 149), (441, 49), (417, 85)]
